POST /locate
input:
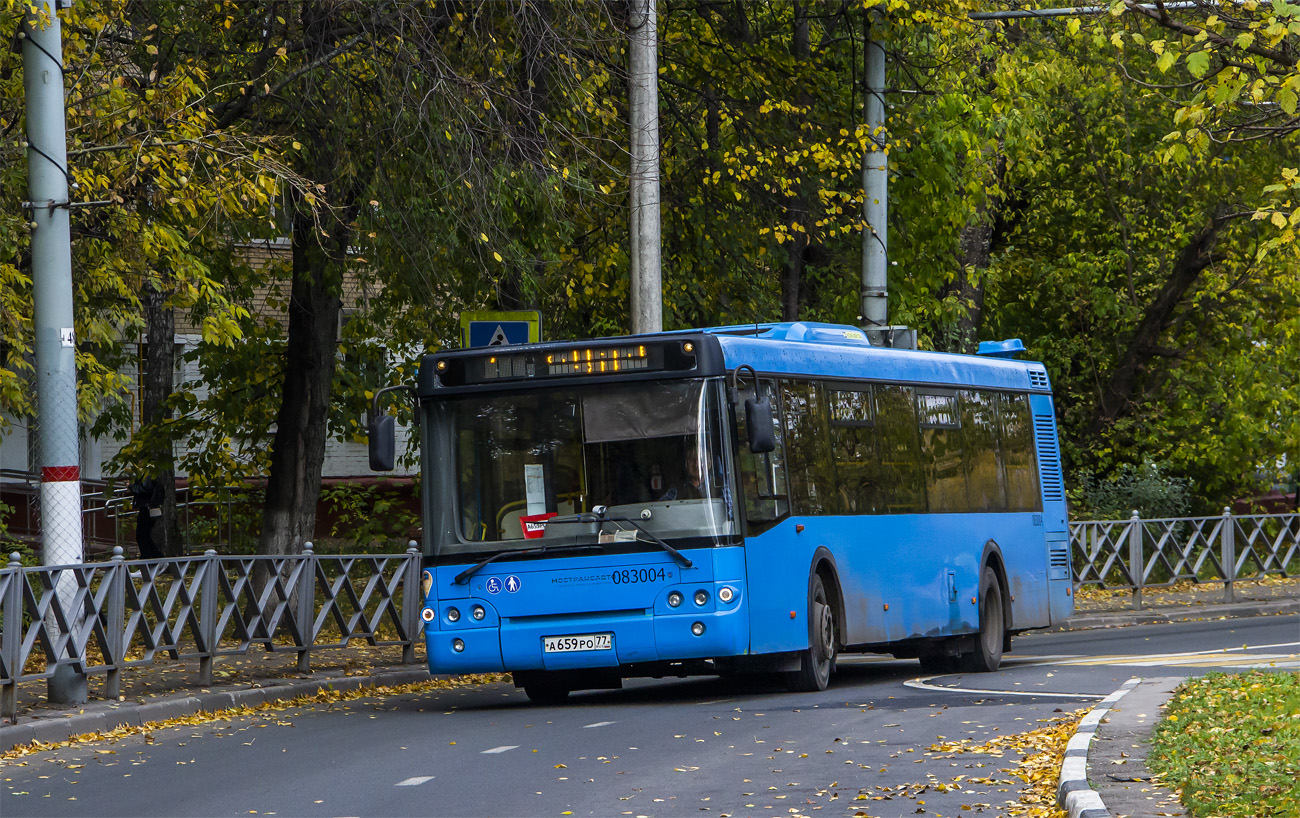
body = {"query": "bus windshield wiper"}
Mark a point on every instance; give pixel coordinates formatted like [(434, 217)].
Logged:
[(527, 552), (677, 555)]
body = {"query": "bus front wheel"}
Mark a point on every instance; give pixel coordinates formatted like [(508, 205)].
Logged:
[(817, 662), (543, 688), (987, 655), (544, 693)]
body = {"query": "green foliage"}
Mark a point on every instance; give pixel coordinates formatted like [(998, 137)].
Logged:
[(483, 150), (224, 518), (1230, 743), (9, 544), (1241, 84), (1147, 489), (142, 141), (372, 517), (1103, 220)]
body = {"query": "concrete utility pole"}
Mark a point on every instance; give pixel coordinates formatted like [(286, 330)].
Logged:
[(56, 373), (875, 189), (643, 115)]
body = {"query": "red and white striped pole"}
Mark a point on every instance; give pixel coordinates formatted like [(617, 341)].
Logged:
[(55, 343)]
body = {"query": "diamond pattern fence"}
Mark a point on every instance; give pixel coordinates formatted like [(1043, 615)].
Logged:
[(107, 616), (1137, 554)]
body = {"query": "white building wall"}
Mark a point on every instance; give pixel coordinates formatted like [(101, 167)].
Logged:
[(13, 445)]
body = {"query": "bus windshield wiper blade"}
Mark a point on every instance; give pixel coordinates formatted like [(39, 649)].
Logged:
[(527, 552), (598, 516), (677, 555)]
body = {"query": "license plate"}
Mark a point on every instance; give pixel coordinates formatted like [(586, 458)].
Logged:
[(578, 642)]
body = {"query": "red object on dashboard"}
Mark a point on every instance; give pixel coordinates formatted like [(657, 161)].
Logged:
[(534, 525)]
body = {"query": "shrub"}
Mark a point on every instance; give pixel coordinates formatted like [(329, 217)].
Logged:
[(1146, 488)]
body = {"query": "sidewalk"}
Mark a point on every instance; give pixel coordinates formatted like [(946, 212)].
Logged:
[(170, 689)]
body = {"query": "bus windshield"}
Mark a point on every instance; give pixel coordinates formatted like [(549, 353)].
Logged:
[(649, 451)]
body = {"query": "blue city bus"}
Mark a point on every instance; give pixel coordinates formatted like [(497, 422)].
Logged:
[(732, 500)]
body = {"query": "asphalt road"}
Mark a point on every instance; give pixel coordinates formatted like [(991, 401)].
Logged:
[(658, 747)]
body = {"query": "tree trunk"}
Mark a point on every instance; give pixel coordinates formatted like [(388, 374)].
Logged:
[(159, 382), (319, 245), (298, 445), (1118, 395)]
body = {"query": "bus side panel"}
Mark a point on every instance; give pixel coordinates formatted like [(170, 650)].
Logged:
[(1060, 577), (925, 568), (776, 568)]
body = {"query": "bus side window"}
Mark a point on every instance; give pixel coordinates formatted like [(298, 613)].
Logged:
[(1018, 453), (985, 481), (900, 454), (853, 442), (762, 476), (941, 452), (808, 455)]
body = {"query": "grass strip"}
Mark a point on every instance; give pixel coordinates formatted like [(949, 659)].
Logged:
[(1230, 744)]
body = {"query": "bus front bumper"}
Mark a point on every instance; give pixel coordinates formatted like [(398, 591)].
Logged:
[(636, 637)]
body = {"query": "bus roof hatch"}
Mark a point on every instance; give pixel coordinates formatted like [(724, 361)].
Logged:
[(1009, 348)]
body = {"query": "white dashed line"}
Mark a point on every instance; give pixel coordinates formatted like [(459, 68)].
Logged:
[(598, 724), (503, 748), (415, 782)]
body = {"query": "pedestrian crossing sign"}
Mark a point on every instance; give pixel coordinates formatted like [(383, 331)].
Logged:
[(483, 328)]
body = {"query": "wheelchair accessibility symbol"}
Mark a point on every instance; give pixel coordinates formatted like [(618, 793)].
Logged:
[(494, 585)]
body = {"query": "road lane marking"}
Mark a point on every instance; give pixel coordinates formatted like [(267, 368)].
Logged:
[(598, 724), (1222, 657), (502, 749), (415, 781), (1215, 652), (1024, 659), (923, 684), (1216, 659)]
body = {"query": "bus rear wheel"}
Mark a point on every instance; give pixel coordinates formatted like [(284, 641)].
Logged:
[(818, 661), (987, 655)]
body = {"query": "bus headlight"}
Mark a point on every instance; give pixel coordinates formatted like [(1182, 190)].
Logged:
[(698, 629), (453, 615), (674, 599), (701, 597), (726, 594), (477, 612), (458, 645)]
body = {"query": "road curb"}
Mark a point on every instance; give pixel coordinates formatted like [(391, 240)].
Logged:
[(1156, 617), (102, 718), (1073, 793)]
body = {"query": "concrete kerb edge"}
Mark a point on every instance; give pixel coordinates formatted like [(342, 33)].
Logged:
[(1155, 617), (1073, 793), (53, 730)]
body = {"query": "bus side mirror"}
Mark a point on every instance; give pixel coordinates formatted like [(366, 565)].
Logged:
[(758, 423), (383, 442)]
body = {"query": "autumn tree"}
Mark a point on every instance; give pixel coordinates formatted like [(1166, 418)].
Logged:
[(165, 185), (1141, 278)]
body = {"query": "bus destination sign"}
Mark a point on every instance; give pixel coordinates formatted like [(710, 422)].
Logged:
[(604, 360)]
